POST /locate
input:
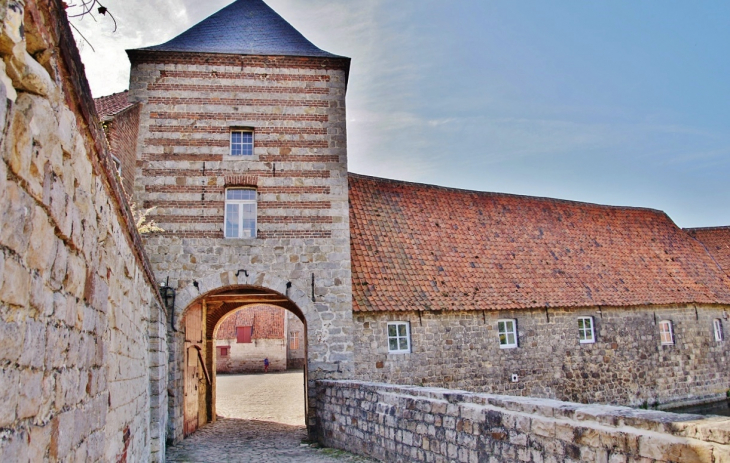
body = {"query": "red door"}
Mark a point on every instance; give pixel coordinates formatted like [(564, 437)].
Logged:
[(193, 342)]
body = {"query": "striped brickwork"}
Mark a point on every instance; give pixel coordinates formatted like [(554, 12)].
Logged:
[(296, 108)]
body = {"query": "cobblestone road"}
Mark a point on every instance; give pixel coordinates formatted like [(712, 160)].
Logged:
[(239, 438)]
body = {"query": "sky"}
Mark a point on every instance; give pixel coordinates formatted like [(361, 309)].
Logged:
[(622, 102)]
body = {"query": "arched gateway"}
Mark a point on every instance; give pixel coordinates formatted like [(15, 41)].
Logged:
[(199, 309), (198, 327)]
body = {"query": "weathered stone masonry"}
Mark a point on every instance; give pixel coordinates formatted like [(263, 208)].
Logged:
[(82, 365), (401, 423), (627, 364)]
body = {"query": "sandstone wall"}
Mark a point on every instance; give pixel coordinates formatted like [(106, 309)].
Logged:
[(82, 351), (626, 365), (296, 107), (399, 424), (249, 357)]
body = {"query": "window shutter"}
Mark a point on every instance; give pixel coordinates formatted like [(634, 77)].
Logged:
[(243, 334)]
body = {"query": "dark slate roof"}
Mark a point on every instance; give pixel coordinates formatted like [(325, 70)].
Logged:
[(245, 27), (423, 247)]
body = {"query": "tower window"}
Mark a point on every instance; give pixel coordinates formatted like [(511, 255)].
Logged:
[(240, 219), (241, 142)]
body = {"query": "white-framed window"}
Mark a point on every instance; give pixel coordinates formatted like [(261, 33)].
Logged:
[(665, 332), (240, 216), (399, 337), (717, 328), (294, 340), (241, 142), (586, 333), (507, 330)]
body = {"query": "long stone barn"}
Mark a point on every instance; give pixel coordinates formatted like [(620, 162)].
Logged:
[(418, 304)]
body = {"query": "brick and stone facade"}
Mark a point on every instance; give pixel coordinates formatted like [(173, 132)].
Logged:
[(82, 334), (295, 106), (266, 326)]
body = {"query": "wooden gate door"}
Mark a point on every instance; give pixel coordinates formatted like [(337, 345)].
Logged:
[(193, 342)]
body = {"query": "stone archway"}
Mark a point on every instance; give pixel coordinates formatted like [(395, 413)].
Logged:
[(269, 337), (192, 378), (328, 322)]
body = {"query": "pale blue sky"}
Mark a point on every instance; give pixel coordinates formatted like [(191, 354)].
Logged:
[(619, 102)]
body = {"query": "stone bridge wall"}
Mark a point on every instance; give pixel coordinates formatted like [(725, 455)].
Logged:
[(82, 333), (407, 423)]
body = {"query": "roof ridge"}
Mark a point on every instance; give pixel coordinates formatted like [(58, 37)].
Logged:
[(717, 227), (513, 195), (243, 27)]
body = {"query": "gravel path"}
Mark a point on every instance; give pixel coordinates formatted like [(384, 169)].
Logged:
[(275, 397), (262, 420)]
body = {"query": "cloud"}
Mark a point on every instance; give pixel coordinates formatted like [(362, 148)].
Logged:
[(139, 23)]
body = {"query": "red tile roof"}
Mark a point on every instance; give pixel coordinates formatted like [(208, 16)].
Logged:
[(112, 104), (717, 242), (267, 322), (423, 247)]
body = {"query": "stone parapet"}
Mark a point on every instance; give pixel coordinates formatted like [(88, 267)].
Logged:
[(408, 423)]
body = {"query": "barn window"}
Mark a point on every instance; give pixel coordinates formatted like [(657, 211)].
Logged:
[(507, 333), (294, 340), (399, 337), (243, 334), (241, 142), (665, 332), (223, 351), (717, 328), (240, 219), (586, 333)]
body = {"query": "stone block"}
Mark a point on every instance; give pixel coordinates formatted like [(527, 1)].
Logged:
[(31, 396), (542, 427), (15, 447), (11, 340), (34, 344), (9, 383), (15, 289), (41, 297)]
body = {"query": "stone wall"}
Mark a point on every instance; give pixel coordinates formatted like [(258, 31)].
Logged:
[(400, 423), (627, 364), (82, 349), (296, 108)]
